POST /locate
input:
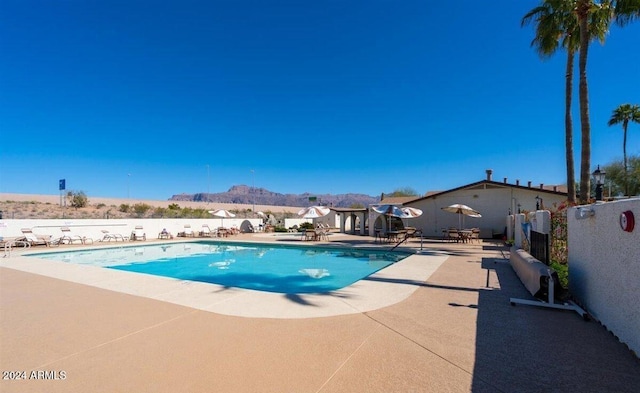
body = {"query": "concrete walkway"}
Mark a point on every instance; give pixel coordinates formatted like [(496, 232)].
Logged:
[(454, 331)]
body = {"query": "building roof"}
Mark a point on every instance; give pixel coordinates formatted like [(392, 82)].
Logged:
[(486, 184), (398, 200)]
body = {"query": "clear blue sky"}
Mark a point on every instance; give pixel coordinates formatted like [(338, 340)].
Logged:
[(138, 97)]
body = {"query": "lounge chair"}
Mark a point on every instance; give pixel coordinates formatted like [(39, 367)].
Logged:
[(69, 238), (205, 231), (108, 236), (188, 232), (32, 239), (138, 234)]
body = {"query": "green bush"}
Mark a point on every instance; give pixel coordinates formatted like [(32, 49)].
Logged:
[(77, 199), (563, 273), (141, 209), (306, 225), (280, 229)]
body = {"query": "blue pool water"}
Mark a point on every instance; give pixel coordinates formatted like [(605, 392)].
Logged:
[(282, 269)]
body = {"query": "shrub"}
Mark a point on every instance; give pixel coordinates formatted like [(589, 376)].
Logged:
[(77, 199), (159, 212), (124, 208), (306, 225), (141, 209)]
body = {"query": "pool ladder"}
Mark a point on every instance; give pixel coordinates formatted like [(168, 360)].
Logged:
[(8, 245)]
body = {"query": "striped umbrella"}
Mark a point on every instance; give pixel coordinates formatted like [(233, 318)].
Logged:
[(314, 212), (461, 210), (389, 211), (222, 213), (411, 212)]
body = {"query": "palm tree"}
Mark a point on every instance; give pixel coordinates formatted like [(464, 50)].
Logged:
[(556, 23), (624, 114), (595, 14)]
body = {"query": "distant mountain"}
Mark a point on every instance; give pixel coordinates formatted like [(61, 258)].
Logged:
[(242, 194)]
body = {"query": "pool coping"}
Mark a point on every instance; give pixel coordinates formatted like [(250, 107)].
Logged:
[(384, 288)]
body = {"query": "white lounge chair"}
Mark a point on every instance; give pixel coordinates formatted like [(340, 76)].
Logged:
[(32, 239), (108, 236), (138, 234), (205, 231), (187, 232), (69, 238)]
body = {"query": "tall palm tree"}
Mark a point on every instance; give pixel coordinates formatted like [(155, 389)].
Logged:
[(599, 14), (557, 25), (624, 114)]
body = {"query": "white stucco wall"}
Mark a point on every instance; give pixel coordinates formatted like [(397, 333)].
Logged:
[(604, 267), (493, 203), (92, 228)]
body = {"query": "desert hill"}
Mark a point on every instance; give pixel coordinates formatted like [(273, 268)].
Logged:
[(242, 194)]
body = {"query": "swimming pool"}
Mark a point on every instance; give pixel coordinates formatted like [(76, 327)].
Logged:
[(271, 268)]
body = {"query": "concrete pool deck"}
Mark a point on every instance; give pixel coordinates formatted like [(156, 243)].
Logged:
[(384, 288), (455, 331)]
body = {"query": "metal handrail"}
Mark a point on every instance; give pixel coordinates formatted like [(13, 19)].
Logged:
[(14, 243)]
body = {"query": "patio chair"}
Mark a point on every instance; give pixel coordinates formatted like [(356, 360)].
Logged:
[(322, 234), (187, 232), (310, 234), (32, 239), (205, 231), (138, 234), (108, 236), (475, 235), (164, 234), (454, 235), (69, 238)]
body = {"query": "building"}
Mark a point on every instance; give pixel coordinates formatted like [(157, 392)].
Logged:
[(494, 200)]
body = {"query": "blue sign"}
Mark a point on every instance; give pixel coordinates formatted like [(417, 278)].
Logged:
[(61, 184)]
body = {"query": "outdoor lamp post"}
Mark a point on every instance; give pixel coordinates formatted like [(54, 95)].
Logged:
[(598, 177)]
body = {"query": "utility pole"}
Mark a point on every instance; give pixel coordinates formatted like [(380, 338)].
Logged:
[(253, 190), (208, 183)]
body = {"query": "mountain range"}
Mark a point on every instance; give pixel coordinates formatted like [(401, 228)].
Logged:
[(242, 194)]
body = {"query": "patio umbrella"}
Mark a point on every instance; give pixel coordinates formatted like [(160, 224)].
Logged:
[(314, 212), (390, 211), (461, 210), (411, 212), (222, 213)]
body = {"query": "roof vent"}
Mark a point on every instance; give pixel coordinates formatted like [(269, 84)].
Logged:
[(517, 182), (529, 184), (505, 180), (489, 173), (541, 186)]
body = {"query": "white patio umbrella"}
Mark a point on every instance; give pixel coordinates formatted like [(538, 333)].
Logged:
[(314, 212), (222, 213), (412, 212), (461, 210), (390, 211)]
